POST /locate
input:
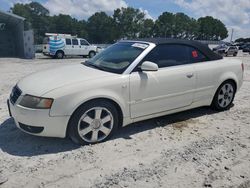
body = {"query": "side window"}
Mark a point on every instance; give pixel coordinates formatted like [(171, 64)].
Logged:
[(169, 55), (196, 56), (75, 42), (68, 41), (84, 43)]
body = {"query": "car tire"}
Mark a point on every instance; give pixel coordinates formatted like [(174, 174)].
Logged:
[(93, 122), (224, 96), (92, 54), (59, 55)]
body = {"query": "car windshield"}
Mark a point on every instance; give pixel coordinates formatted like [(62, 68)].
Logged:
[(117, 57)]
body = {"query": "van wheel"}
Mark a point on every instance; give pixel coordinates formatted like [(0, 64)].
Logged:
[(59, 55), (93, 122), (224, 96), (91, 54)]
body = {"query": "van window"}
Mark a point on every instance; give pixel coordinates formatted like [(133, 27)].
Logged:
[(68, 41), (84, 43), (74, 41)]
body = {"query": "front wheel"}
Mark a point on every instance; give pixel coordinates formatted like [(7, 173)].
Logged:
[(93, 122), (224, 96), (92, 54)]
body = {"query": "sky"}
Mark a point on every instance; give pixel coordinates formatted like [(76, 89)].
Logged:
[(235, 14)]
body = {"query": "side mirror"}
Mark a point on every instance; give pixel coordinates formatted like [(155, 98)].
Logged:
[(149, 66)]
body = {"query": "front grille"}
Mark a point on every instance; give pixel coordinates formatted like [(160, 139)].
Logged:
[(15, 94)]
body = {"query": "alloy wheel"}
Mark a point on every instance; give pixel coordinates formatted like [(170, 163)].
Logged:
[(95, 125), (225, 95)]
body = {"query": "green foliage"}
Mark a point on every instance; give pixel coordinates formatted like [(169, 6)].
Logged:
[(147, 29), (37, 17), (184, 27), (211, 29), (101, 28), (243, 40), (128, 22), (164, 25), (125, 23)]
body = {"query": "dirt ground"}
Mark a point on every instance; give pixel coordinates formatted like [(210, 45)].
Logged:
[(196, 148)]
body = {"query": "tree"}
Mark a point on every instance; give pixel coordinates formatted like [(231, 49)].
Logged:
[(128, 22), (101, 28), (164, 25), (36, 17), (125, 23), (39, 20), (184, 27), (177, 25), (37, 9), (211, 29), (147, 29), (243, 40)]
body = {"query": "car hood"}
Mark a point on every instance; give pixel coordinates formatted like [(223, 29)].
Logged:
[(42, 82)]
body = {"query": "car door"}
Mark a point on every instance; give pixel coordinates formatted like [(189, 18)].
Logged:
[(207, 77), (171, 87), (75, 47), (68, 47), (84, 47)]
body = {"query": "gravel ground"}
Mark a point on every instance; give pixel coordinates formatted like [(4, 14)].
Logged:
[(196, 148)]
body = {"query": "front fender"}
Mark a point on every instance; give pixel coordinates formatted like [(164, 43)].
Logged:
[(67, 100), (97, 94)]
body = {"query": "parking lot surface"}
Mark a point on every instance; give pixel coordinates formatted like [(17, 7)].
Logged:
[(196, 148)]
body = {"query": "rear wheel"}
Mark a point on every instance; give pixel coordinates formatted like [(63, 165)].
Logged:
[(224, 96), (93, 122), (59, 54)]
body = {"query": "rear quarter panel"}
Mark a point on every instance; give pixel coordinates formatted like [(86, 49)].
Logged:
[(231, 69), (210, 75)]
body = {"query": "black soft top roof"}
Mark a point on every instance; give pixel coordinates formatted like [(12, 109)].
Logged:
[(195, 44)]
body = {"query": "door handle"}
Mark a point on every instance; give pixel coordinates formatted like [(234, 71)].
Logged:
[(190, 75)]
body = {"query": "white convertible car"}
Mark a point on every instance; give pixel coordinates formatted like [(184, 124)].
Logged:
[(128, 82)]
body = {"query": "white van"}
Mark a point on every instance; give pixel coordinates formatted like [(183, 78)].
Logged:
[(60, 45)]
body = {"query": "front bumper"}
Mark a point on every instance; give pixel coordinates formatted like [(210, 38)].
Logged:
[(38, 121)]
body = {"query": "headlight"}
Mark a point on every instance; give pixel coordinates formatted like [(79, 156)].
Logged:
[(29, 101)]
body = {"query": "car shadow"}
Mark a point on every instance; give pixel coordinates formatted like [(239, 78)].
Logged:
[(17, 143), (163, 121)]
